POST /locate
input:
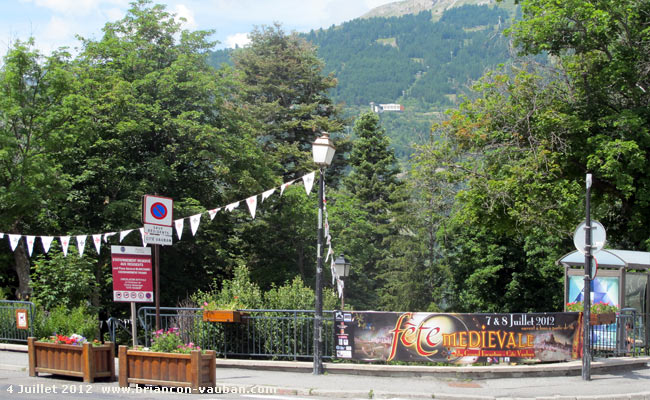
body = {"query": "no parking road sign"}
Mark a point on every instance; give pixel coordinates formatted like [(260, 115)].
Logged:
[(157, 210)]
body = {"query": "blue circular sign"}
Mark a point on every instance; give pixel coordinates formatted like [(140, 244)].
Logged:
[(158, 210)]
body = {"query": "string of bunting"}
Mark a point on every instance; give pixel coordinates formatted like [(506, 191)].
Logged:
[(195, 220), (65, 240), (336, 279)]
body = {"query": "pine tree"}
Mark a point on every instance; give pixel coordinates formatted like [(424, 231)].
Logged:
[(365, 208)]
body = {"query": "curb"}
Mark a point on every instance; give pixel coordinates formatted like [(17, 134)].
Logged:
[(13, 347), (571, 368)]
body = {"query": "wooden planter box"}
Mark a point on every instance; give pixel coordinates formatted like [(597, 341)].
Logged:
[(86, 361), (192, 370), (602, 319), (222, 316)]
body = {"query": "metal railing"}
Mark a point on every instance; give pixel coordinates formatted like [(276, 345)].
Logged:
[(624, 337), (8, 330), (278, 334)]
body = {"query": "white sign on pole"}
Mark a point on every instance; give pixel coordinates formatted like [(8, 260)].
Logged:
[(157, 230), (157, 210), (598, 237), (158, 239)]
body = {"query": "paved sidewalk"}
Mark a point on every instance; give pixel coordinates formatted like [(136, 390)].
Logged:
[(285, 380)]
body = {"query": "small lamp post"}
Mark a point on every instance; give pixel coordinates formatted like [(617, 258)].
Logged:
[(323, 151), (342, 267)]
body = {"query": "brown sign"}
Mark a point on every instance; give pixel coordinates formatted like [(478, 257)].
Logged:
[(22, 322), (457, 338)]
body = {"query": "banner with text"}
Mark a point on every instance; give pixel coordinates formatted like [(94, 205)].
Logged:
[(457, 338)]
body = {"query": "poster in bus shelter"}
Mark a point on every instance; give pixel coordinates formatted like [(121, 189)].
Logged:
[(457, 338)]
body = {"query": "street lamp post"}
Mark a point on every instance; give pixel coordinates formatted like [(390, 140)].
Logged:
[(323, 151), (342, 270)]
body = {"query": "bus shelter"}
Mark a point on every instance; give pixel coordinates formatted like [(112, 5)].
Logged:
[(622, 279)]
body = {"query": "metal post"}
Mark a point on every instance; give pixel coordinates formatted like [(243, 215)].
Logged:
[(318, 316), (342, 295), (156, 258), (586, 347), (134, 326)]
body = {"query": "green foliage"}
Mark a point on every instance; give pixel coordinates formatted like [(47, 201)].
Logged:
[(364, 209), (35, 106), (66, 321), (170, 341), (598, 308), (235, 294), (241, 293), (63, 281), (286, 93)]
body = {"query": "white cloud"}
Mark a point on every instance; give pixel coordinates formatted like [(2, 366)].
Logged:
[(239, 39), (182, 11)]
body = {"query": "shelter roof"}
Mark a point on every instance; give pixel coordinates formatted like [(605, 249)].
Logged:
[(609, 258)]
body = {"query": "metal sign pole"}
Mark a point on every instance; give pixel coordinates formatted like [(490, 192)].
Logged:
[(134, 327), (586, 348), (156, 258)]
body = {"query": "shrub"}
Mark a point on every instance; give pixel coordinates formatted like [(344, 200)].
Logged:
[(64, 321), (235, 294), (59, 280)]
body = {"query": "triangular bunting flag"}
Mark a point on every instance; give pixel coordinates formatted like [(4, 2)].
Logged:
[(195, 220), (267, 194), (13, 241), (81, 244), (252, 205), (142, 237), (308, 180), (97, 239), (179, 228), (213, 213), (65, 242), (232, 206), (340, 285), (107, 235), (2, 235), (284, 186), (30, 243), (46, 241), (124, 233), (329, 252)]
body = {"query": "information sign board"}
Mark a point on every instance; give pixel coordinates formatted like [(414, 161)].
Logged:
[(132, 277)]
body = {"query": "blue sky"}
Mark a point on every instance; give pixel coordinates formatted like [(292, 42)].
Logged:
[(54, 23)]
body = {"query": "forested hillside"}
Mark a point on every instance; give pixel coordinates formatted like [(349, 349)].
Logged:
[(411, 59), (423, 62)]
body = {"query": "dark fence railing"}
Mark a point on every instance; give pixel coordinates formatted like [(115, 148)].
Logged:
[(280, 334), (627, 336), (8, 330)]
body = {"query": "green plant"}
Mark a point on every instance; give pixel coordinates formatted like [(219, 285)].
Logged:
[(62, 281), (64, 321), (597, 308), (235, 294), (170, 342)]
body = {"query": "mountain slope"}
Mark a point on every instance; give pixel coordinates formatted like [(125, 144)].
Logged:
[(412, 59), (437, 7)]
